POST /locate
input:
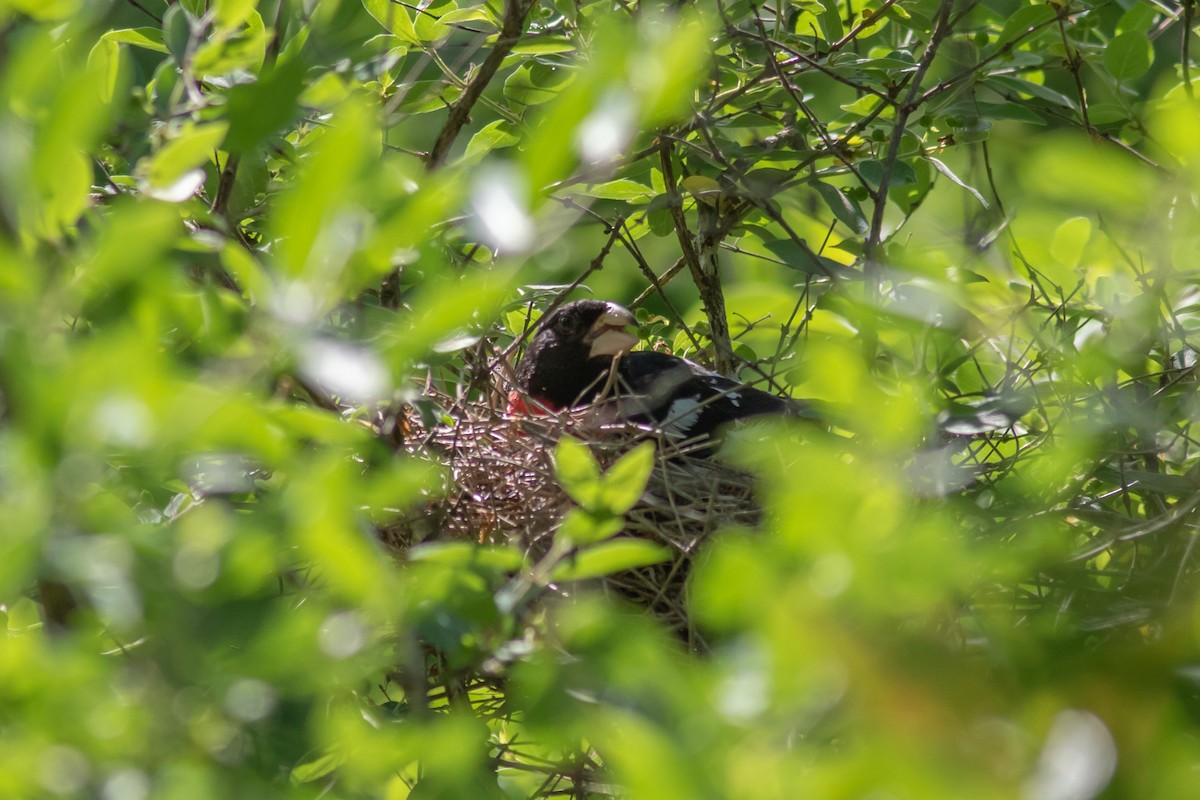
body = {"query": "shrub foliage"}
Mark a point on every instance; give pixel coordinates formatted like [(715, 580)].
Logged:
[(246, 246)]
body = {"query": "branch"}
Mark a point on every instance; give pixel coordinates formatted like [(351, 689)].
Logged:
[(704, 265), (872, 269), (515, 12), (871, 266), (1185, 37)]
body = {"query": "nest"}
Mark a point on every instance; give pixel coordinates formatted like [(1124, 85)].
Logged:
[(501, 489)]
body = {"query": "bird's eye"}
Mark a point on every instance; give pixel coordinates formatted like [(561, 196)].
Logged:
[(566, 325)]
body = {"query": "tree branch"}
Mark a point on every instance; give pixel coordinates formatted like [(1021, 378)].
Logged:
[(872, 268), (515, 13), (704, 264)]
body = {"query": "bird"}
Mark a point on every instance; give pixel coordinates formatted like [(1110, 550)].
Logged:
[(584, 346)]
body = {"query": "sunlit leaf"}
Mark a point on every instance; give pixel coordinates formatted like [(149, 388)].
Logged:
[(609, 557), (533, 84), (578, 472), (623, 483), (493, 136)]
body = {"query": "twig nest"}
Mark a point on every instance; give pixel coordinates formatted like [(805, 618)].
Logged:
[(501, 489)]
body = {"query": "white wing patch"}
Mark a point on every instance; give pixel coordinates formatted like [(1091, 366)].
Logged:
[(681, 416)]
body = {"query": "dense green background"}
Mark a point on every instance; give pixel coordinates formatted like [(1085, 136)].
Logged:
[(237, 237)]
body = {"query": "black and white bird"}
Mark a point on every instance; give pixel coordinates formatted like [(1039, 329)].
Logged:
[(570, 362)]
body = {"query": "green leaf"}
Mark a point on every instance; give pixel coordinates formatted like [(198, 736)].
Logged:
[(1128, 56), (1023, 19), (467, 15), (422, 97), (257, 110), (318, 768), (544, 45), (1138, 19), (146, 38), (1035, 89), (533, 84), (1159, 483), (232, 13), (492, 136), (394, 18), (623, 484), (578, 472), (1070, 238), (610, 557), (622, 189), (429, 25), (844, 207), (105, 59), (468, 554), (580, 527), (798, 258), (1012, 111), (660, 221), (194, 146), (872, 171), (945, 170), (177, 30)]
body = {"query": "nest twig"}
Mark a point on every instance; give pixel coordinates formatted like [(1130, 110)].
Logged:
[(501, 489)]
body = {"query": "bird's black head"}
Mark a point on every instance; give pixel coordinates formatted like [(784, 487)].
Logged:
[(574, 345)]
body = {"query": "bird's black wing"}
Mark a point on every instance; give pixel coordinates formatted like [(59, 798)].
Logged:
[(685, 399)]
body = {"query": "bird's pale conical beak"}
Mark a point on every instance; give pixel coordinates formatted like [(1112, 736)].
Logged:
[(613, 333)]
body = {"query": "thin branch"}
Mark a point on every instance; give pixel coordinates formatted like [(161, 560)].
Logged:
[(1074, 60), (1185, 39), (872, 267), (704, 265), (867, 22), (515, 13), (1007, 48)]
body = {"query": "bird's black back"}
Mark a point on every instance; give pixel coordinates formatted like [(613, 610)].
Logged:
[(686, 399)]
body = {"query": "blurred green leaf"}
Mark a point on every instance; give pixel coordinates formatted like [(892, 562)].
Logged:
[(533, 84), (545, 45), (492, 136), (619, 190), (394, 18), (258, 110), (581, 527), (192, 147), (578, 472), (609, 557), (465, 554), (147, 38), (624, 482)]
